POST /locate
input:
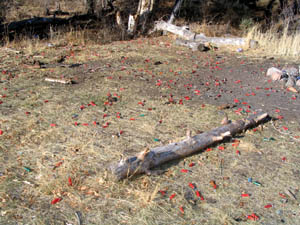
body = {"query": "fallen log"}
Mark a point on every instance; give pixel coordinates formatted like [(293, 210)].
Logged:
[(40, 24), (150, 158), (183, 32), (192, 39)]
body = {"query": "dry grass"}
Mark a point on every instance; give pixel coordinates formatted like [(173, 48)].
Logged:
[(214, 30), (274, 43), (82, 153)]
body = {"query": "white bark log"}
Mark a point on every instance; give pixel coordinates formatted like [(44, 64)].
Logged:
[(193, 40), (183, 32), (144, 161)]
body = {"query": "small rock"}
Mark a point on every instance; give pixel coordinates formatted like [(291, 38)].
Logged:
[(298, 83), (202, 48), (291, 71), (291, 82), (274, 73)]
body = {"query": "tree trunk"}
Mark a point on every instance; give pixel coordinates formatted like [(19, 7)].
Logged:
[(90, 7), (175, 10), (144, 161), (140, 19)]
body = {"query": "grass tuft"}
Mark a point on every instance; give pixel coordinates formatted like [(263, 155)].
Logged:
[(276, 43)]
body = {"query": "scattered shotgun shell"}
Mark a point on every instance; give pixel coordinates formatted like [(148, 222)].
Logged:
[(56, 200), (253, 217), (181, 209), (162, 192), (172, 196), (245, 195), (192, 186), (27, 169), (213, 184), (199, 195), (256, 183), (70, 181)]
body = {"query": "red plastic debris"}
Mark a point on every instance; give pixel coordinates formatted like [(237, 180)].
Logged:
[(192, 186), (208, 149), (184, 171), (172, 196), (199, 195), (181, 209), (70, 181), (282, 195), (221, 148), (162, 192), (191, 164), (268, 206), (253, 217), (245, 195), (236, 100), (53, 125), (1, 132), (56, 200)]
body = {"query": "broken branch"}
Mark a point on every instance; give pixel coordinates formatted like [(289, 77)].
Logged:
[(144, 161)]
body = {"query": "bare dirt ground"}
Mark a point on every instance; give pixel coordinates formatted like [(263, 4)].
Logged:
[(57, 140)]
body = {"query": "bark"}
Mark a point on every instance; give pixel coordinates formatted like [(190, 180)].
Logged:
[(144, 161)]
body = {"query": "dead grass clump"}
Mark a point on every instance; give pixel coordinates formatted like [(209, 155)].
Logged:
[(214, 30), (276, 43)]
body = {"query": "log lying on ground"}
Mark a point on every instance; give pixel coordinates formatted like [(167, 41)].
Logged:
[(183, 32), (41, 23), (144, 161), (192, 39)]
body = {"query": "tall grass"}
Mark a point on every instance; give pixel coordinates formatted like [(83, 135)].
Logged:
[(276, 43)]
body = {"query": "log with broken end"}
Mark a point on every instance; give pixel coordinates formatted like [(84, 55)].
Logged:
[(150, 158)]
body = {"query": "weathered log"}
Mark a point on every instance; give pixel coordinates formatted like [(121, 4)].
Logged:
[(192, 40), (144, 161), (183, 32)]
